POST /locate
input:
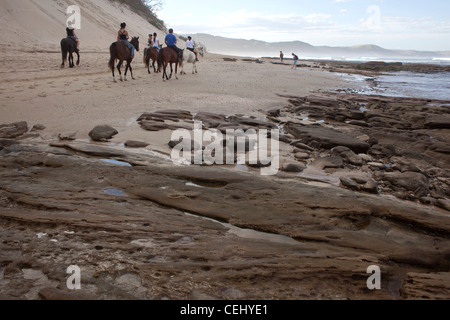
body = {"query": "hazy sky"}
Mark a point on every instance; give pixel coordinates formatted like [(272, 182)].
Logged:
[(393, 24)]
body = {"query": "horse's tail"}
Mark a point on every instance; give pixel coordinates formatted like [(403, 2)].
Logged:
[(64, 51), (145, 57), (113, 58)]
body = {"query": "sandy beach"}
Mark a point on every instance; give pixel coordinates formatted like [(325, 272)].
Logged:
[(363, 180)]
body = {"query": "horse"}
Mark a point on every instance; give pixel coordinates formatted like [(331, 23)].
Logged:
[(120, 51), (168, 56), (151, 53), (69, 46), (189, 57)]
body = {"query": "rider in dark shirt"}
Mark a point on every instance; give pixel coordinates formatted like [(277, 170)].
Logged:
[(123, 36), (71, 34)]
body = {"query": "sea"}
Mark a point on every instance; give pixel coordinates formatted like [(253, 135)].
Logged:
[(434, 86)]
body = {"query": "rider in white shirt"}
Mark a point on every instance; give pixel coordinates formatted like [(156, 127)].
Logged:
[(190, 45)]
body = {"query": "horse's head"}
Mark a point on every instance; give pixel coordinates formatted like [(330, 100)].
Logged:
[(135, 42), (201, 50)]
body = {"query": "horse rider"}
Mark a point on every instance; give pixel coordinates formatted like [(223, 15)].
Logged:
[(190, 45), (71, 34), (171, 42), (123, 36), (156, 41)]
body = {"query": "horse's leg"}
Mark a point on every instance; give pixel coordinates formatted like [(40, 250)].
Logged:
[(176, 71), (64, 57), (119, 65), (78, 57), (131, 69), (71, 59), (126, 70)]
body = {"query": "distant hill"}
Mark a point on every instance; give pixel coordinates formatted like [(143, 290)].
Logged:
[(256, 48)]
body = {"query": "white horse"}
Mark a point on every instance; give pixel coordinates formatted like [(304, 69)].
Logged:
[(188, 57)]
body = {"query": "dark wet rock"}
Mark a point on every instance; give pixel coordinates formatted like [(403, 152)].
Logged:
[(440, 147), (7, 143), (170, 115), (428, 200), (294, 168), (350, 184), (327, 163), (54, 294), (410, 181), (136, 144), (323, 101), (443, 203), (348, 155), (327, 138), (210, 120), (67, 137), (154, 125), (371, 186), (13, 130), (358, 123), (38, 127), (440, 122), (300, 145), (301, 155), (383, 151), (185, 144), (103, 133), (274, 112)]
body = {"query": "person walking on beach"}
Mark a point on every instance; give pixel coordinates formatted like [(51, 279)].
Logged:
[(171, 41), (190, 45), (123, 36), (295, 61), (281, 56)]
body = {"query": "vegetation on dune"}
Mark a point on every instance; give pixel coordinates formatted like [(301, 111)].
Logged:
[(147, 9)]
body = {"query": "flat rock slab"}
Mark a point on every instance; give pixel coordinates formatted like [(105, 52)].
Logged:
[(327, 138)]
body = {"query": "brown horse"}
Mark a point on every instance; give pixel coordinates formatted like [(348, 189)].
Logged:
[(168, 56), (69, 46), (151, 53), (120, 51)]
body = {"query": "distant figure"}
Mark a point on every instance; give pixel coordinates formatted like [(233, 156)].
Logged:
[(71, 34), (156, 42), (295, 61), (123, 36), (171, 42), (190, 45), (281, 56)]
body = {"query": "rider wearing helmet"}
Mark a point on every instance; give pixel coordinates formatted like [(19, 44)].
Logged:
[(123, 36)]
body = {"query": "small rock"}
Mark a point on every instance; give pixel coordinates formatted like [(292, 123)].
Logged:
[(102, 133), (371, 186), (294, 168), (67, 137), (38, 127), (349, 183), (330, 162), (444, 204), (13, 130), (301, 156), (136, 144)]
